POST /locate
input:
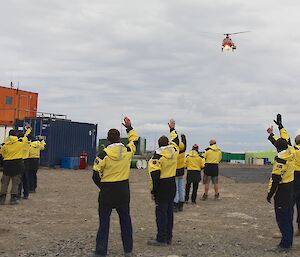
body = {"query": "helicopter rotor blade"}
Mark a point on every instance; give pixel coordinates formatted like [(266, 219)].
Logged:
[(212, 33), (237, 32)]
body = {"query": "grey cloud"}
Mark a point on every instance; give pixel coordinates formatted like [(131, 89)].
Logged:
[(99, 60)]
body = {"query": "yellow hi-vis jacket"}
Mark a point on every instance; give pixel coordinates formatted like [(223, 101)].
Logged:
[(26, 149), (35, 149), (111, 172), (285, 135), (13, 147), (194, 161), (212, 154), (297, 158), (282, 177), (114, 166), (181, 156), (162, 169)]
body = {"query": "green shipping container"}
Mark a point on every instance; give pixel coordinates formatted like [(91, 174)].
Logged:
[(227, 157), (140, 149)]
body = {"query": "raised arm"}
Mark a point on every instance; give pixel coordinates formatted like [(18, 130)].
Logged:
[(272, 138), (283, 132), (42, 143), (133, 137), (174, 139), (183, 140)]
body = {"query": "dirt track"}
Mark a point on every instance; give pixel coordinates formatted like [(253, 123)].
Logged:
[(61, 220)]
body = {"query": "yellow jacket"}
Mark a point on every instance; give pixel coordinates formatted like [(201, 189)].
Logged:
[(297, 158), (35, 149), (114, 164), (285, 135), (194, 161), (167, 162), (284, 167), (162, 166), (13, 147), (181, 156), (212, 154)]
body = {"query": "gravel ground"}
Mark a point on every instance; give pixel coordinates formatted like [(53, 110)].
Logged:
[(61, 220)]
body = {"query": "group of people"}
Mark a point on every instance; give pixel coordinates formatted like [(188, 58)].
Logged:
[(195, 162), (20, 153), (284, 185), (166, 172)]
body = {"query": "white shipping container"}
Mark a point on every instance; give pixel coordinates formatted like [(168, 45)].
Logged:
[(259, 161), (4, 130), (237, 161)]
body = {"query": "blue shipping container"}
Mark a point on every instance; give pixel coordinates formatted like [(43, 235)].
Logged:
[(64, 138)]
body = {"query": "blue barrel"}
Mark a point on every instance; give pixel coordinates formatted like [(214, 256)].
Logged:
[(266, 161), (70, 163)]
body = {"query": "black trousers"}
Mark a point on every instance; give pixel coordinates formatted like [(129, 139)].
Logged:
[(164, 221), (194, 192), (24, 182), (193, 177), (103, 231)]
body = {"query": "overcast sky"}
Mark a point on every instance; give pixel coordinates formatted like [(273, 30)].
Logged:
[(154, 60)]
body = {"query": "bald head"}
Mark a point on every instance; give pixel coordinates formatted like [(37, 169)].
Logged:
[(297, 140), (212, 141)]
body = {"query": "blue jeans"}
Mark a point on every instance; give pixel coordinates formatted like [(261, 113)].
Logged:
[(103, 231), (179, 197), (164, 221), (284, 218)]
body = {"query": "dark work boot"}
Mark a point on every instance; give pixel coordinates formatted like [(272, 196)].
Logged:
[(2, 199), (176, 207), (186, 199), (217, 196), (298, 231), (14, 199), (180, 208), (204, 197), (156, 243)]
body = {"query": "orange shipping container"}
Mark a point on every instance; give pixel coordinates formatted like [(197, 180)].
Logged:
[(16, 104)]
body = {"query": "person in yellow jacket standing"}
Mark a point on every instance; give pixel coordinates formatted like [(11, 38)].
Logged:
[(111, 175), (281, 187), (194, 164), (12, 152), (24, 177), (36, 146), (179, 179), (297, 181), (273, 139), (162, 170), (212, 156)]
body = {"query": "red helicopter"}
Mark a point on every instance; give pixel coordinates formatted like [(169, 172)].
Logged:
[(228, 43)]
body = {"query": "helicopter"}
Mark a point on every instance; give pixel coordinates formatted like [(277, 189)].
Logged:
[(227, 43)]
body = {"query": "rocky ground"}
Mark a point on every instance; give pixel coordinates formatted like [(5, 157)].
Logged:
[(61, 220)]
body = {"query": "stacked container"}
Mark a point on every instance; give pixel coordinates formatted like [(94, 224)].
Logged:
[(64, 138)]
